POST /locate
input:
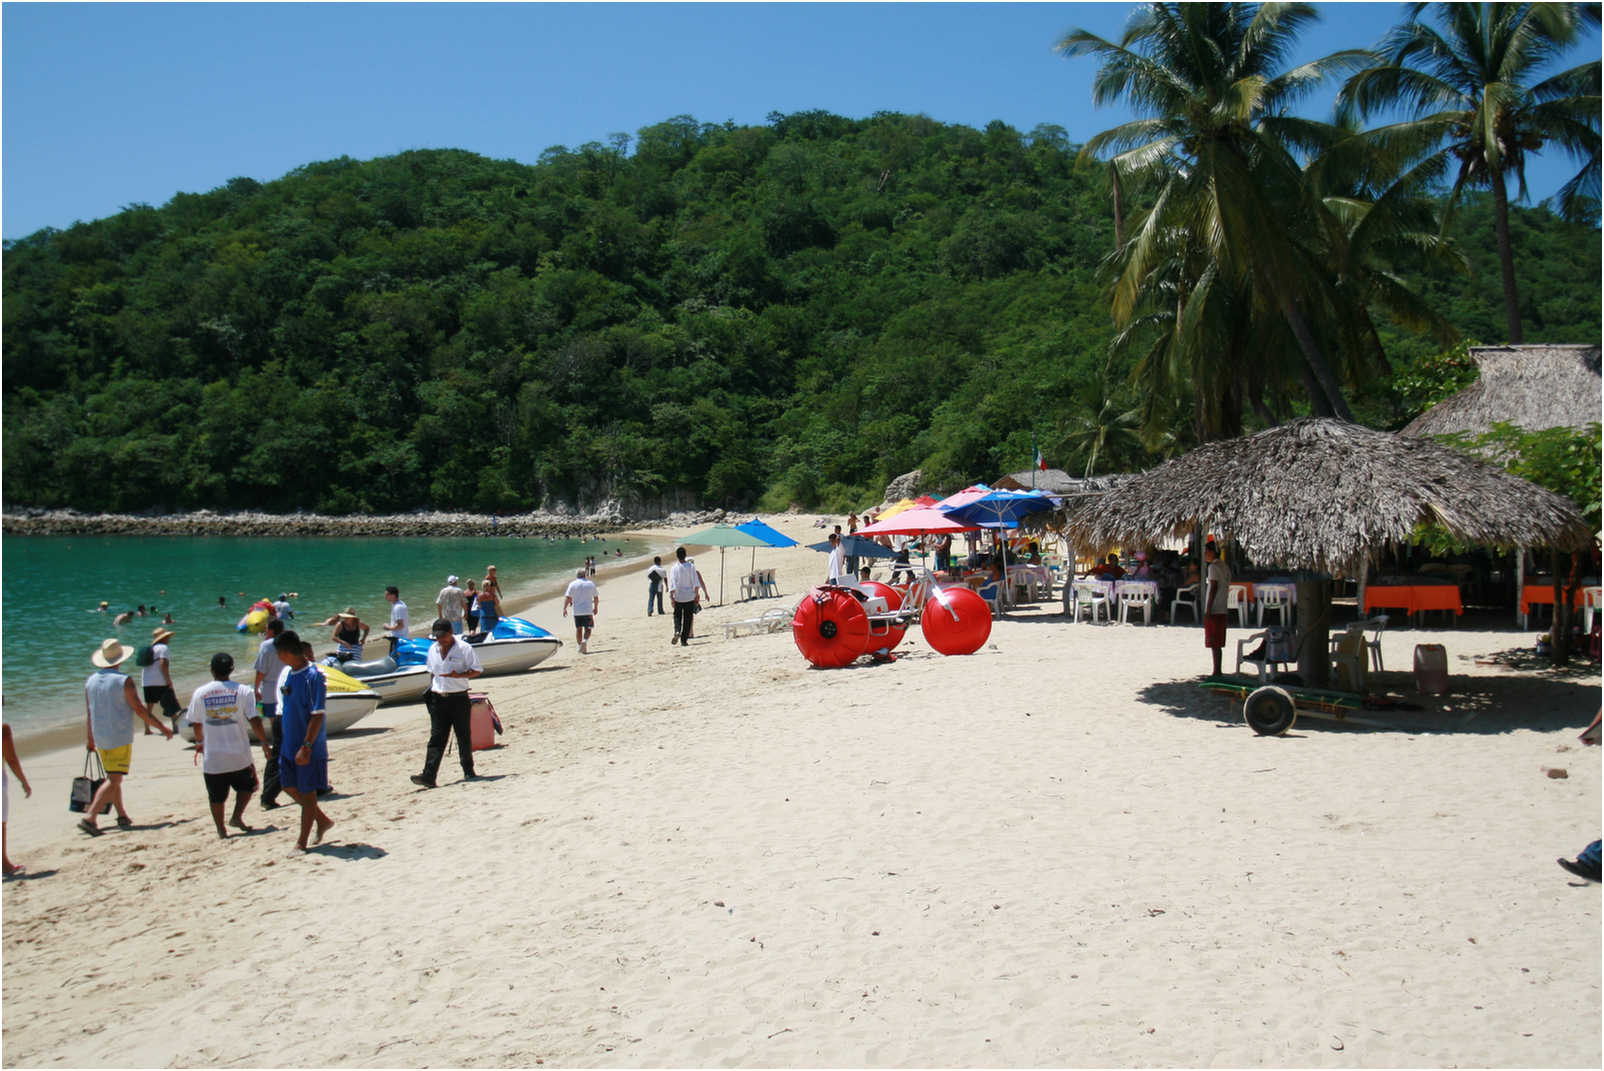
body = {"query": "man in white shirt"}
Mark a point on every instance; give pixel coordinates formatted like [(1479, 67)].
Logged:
[(453, 664), (448, 604), (838, 559), (157, 678), (400, 623), (269, 668), (683, 580), (585, 600), (219, 712)]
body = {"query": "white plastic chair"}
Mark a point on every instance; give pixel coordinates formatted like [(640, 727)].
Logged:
[(1348, 658), (1379, 625), (1137, 599), (1236, 598), (1094, 598), (1185, 599), (751, 586), (1277, 652), (1592, 598), (767, 584), (1274, 599)]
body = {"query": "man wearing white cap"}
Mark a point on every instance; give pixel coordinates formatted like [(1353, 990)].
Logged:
[(448, 604), (111, 704)]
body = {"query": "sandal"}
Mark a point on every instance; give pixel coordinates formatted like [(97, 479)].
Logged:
[(89, 827), (124, 822)]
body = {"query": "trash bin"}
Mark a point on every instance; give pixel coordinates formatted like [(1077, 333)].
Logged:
[(1431, 669)]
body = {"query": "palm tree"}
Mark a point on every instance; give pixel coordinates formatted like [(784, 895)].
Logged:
[(1217, 151), (1465, 86)]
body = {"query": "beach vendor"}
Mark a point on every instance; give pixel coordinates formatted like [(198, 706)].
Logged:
[(350, 633), (111, 704), (220, 712), (304, 770), (453, 664)]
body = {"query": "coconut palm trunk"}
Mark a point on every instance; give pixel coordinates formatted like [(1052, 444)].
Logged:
[(1506, 257)]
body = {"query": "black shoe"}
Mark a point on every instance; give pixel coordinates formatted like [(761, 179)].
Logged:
[(268, 805), (471, 777), (419, 779), (1579, 869)]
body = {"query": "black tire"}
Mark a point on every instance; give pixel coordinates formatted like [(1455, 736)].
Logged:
[(1270, 711)]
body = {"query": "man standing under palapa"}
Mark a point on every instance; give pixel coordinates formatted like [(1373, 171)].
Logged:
[(448, 604), (220, 711), (110, 705), (305, 770), (585, 600), (683, 581), (1216, 588), (453, 664)]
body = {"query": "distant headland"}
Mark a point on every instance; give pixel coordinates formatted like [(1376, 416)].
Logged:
[(422, 523)]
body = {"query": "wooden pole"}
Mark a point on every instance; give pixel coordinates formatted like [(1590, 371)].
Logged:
[(1520, 582)]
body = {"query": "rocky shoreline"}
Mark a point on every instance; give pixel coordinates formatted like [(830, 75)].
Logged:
[(206, 522)]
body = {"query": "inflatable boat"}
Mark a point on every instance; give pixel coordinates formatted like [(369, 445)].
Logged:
[(514, 646)]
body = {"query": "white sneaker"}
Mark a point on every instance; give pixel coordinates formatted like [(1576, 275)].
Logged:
[(582, 647)]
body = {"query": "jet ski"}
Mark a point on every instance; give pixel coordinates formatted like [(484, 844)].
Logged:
[(513, 646), (395, 684)]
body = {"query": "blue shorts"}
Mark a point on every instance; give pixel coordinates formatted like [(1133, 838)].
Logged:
[(309, 778)]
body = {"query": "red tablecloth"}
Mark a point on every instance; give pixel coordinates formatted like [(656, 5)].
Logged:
[(1414, 597), (1543, 594)]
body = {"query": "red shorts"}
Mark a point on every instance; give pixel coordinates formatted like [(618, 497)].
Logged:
[(1214, 629)]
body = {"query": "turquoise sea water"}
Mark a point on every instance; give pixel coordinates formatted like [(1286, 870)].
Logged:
[(49, 624)]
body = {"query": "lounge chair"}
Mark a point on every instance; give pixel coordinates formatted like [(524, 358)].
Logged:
[(770, 620)]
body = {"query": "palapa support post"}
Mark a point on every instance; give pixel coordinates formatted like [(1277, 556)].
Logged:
[(1314, 611)]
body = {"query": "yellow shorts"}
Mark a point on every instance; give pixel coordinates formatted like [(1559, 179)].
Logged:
[(116, 759)]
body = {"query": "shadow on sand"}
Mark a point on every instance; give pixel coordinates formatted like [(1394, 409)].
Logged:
[(1474, 705)]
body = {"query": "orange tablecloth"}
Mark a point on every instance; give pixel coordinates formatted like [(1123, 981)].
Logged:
[(1543, 594), (1414, 597)]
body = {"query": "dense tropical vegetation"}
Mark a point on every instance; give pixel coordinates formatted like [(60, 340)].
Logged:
[(734, 315)]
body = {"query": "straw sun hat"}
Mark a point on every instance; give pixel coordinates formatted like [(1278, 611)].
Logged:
[(110, 654), (160, 635)]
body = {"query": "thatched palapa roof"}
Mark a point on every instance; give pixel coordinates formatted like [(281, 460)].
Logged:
[(1325, 495), (1533, 387), (1056, 482)]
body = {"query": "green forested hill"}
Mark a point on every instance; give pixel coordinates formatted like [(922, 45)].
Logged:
[(701, 315)]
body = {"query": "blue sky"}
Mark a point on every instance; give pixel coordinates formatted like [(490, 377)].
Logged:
[(107, 105)]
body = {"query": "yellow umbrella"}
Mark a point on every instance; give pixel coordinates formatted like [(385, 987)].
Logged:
[(894, 509)]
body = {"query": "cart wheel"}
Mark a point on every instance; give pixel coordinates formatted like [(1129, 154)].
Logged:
[(1269, 711)]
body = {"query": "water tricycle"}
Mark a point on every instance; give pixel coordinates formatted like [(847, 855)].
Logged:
[(835, 625)]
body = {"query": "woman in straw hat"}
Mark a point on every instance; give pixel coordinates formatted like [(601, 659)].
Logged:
[(350, 633), (157, 677), (111, 704)]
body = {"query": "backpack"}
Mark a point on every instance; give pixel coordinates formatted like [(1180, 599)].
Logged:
[(146, 656)]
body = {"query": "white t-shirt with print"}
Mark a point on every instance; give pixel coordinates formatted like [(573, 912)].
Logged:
[(221, 709)]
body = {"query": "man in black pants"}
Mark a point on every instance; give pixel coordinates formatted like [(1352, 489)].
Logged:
[(453, 664)]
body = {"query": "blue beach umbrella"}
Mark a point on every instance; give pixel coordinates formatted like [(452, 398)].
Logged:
[(773, 536), (857, 546)]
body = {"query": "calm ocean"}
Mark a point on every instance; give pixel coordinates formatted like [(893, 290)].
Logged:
[(52, 585)]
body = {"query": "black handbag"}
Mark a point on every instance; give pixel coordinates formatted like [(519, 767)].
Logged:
[(85, 787)]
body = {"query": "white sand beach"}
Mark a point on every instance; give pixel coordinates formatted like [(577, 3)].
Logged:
[(1056, 851)]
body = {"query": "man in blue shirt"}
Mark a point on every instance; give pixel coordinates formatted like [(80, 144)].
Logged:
[(305, 769)]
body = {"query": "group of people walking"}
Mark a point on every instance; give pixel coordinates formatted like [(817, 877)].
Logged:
[(283, 709), (682, 581)]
